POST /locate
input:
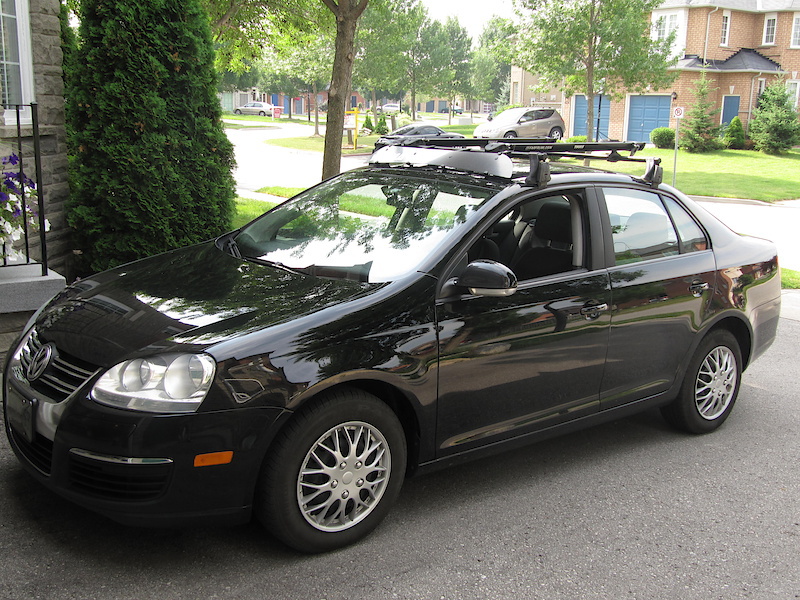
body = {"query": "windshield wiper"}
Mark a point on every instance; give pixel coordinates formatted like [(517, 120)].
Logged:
[(273, 263)]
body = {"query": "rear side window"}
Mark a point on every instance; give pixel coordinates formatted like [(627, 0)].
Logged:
[(692, 238), (640, 226)]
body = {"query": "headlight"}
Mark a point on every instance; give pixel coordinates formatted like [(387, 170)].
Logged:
[(165, 383)]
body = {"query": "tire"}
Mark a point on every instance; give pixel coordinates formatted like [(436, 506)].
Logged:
[(318, 491), (510, 134), (556, 133), (710, 386), (237, 112), (261, 113)]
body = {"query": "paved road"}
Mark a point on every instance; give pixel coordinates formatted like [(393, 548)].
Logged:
[(630, 509)]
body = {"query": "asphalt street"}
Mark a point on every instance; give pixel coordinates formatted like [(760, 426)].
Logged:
[(630, 509)]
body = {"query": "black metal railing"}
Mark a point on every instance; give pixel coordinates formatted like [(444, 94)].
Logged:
[(25, 155)]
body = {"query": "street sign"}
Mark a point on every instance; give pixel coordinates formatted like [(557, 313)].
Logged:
[(677, 112)]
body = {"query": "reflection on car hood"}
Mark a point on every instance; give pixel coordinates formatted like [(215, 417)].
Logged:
[(197, 295)]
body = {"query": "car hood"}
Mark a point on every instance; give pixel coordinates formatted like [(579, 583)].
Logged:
[(198, 296)]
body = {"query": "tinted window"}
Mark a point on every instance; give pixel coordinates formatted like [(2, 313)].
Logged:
[(640, 226), (692, 238)]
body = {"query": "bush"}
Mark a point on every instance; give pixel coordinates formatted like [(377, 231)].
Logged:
[(663, 137), (368, 123), (381, 128), (576, 139), (701, 134), (734, 135), (151, 169), (774, 127)]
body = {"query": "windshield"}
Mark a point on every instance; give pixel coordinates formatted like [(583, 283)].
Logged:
[(364, 226), (509, 116)]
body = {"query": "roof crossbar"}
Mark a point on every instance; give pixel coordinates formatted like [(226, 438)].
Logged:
[(539, 150)]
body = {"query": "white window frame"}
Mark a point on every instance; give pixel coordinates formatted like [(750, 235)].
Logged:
[(770, 29), (793, 85), (762, 85), (25, 64), (795, 42), (725, 35), (663, 22)]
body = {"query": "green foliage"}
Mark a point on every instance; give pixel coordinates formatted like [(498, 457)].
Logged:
[(152, 165), (774, 127), (576, 139), (381, 128), (368, 123), (734, 135), (700, 133), (663, 137)]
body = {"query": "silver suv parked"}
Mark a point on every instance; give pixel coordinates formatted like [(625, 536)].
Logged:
[(524, 122)]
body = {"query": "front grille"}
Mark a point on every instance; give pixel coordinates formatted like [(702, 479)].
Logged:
[(65, 374), (115, 481), (39, 453)]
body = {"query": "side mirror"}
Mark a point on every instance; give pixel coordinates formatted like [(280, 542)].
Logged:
[(490, 117), (488, 278)]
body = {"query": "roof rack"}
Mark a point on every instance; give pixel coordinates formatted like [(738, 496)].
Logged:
[(537, 150)]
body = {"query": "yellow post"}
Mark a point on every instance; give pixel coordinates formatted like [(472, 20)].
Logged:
[(355, 130)]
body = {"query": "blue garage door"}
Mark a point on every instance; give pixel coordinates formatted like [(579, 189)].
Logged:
[(730, 108), (602, 107), (646, 113)]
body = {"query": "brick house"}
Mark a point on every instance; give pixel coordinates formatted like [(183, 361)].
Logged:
[(743, 46)]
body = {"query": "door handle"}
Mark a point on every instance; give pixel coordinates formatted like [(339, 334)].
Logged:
[(592, 311), (697, 288)]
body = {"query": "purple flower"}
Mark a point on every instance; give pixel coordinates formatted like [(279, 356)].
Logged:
[(12, 159)]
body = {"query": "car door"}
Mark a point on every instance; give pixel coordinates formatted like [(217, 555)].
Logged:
[(516, 364), (662, 280)]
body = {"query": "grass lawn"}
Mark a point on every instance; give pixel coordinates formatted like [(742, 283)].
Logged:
[(790, 280), (317, 144), (247, 210), (726, 173)]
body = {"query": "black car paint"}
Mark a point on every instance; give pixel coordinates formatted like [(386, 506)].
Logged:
[(280, 339)]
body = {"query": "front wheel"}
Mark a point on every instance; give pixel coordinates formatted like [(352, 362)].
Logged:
[(510, 134), (261, 113), (710, 386), (333, 473)]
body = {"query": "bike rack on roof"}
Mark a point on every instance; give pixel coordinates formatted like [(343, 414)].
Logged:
[(466, 153)]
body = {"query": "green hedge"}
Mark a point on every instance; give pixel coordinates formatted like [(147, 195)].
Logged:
[(151, 164)]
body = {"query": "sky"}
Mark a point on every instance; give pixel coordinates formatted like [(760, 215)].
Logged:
[(472, 14)]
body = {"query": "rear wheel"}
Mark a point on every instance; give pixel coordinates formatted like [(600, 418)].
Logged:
[(710, 387), (333, 473), (237, 112), (556, 133)]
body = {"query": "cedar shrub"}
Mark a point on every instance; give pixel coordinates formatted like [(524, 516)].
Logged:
[(151, 165)]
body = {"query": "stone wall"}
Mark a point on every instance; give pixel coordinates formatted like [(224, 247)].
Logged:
[(49, 90)]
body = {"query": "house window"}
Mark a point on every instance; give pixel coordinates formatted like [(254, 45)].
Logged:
[(796, 31), (762, 85), (665, 25), (726, 28), (16, 70), (770, 23), (793, 86)]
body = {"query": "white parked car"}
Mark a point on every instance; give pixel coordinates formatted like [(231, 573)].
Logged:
[(262, 109)]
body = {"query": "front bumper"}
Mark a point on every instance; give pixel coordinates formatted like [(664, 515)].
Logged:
[(139, 468)]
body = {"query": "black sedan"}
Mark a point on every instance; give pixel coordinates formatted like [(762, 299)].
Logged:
[(301, 367), (415, 132)]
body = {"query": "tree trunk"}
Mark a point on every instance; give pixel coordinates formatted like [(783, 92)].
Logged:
[(347, 13), (316, 111)]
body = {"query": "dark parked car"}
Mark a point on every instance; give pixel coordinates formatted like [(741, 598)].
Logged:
[(413, 132), (300, 367)]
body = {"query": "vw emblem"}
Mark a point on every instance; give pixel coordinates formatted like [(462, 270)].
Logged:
[(40, 362)]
